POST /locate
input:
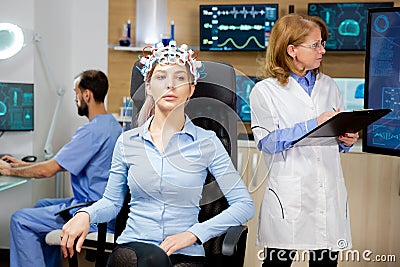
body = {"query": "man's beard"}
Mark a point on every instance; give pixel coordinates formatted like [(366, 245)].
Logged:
[(83, 108)]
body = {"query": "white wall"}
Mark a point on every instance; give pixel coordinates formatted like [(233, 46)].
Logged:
[(17, 69), (74, 35)]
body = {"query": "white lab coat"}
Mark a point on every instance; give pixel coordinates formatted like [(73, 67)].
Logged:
[(305, 203)]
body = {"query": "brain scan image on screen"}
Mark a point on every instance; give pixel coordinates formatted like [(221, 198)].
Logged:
[(349, 27), (347, 23), (16, 107), (382, 80)]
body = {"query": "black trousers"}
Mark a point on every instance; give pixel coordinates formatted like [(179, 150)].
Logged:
[(275, 257), (148, 255)]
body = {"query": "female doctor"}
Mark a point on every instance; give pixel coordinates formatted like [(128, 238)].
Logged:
[(305, 204)]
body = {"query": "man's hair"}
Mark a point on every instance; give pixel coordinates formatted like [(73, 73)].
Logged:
[(95, 81), (291, 29)]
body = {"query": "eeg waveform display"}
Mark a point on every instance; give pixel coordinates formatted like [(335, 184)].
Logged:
[(236, 27), (382, 80), (16, 107), (347, 23)]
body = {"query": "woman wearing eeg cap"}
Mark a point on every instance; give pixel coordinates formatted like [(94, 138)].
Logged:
[(164, 163)]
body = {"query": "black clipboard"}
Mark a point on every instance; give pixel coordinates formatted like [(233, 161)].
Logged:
[(344, 122)]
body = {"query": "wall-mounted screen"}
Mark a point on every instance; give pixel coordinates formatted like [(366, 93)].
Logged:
[(382, 80), (236, 27), (244, 85), (347, 23), (16, 107)]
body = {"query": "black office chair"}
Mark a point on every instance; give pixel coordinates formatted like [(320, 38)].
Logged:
[(96, 243), (212, 107)]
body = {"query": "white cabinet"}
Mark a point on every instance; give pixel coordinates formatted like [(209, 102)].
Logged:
[(252, 167), (372, 182)]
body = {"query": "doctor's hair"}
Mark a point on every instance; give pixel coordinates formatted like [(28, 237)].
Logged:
[(291, 29), (148, 107), (95, 81)]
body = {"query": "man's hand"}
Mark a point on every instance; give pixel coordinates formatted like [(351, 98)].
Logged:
[(14, 162), (176, 242), (4, 167)]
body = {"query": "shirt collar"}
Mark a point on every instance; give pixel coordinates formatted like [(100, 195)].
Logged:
[(308, 76), (189, 128)]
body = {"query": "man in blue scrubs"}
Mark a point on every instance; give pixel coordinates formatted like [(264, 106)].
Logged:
[(88, 159)]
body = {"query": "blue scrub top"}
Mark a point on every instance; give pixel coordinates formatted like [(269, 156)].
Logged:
[(88, 156)]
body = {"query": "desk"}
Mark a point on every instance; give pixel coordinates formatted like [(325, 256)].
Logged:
[(7, 182), (15, 194)]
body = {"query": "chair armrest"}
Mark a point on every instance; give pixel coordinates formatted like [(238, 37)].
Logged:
[(232, 238), (65, 212)]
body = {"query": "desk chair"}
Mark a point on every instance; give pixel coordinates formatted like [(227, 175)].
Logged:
[(212, 107)]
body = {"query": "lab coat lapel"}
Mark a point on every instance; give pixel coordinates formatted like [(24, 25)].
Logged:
[(298, 91)]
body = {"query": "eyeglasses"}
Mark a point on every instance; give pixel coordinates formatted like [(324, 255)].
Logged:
[(315, 46)]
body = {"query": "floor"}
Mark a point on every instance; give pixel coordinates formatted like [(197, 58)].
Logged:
[(4, 258)]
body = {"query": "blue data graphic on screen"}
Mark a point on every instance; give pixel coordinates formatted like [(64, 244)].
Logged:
[(382, 80), (347, 23), (16, 107), (244, 85), (352, 90), (236, 27)]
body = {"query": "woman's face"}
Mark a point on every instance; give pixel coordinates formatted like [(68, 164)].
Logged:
[(170, 86), (308, 55)]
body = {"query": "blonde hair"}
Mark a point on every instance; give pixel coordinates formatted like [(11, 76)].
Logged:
[(291, 29), (148, 107)]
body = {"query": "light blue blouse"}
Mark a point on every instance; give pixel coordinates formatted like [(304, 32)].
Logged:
[(166, 188), (282, 139)]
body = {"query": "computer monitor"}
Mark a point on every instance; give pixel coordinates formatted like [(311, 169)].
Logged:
[(382, 87), (244, 85), (347, 23), (352, 90), (16, 107), (236, 27)]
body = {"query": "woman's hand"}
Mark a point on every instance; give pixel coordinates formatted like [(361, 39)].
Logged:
[(326, 116), (349, 138), (78, 226), (176, 242)]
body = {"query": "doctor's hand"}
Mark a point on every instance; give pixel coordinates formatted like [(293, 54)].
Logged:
[(4, 167), (349, 139), (176, 242), (14, 162), (326, 116), (77, 227)]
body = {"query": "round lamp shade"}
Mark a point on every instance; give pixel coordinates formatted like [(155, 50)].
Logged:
[(11, 40)]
